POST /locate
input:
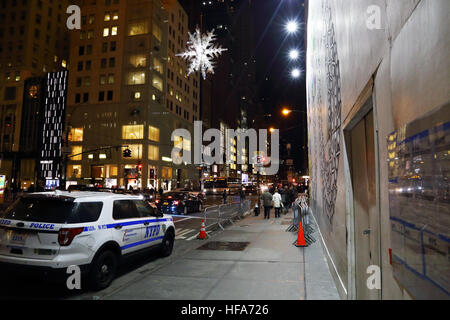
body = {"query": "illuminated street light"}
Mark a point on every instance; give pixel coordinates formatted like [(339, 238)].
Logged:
[(292, 27), (295, 73), (272, 129), (286, 112), (294, 54)]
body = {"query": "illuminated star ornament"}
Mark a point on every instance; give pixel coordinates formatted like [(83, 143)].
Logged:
[(201, 51)]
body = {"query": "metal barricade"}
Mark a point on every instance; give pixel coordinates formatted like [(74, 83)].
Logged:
[(227, 212)]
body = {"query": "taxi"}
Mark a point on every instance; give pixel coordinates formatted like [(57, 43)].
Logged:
[(53, 231)]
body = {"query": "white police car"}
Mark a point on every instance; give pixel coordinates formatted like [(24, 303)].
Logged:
[(92, 230)]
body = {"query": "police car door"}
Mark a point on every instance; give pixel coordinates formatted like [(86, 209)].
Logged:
[(154, 230), (128, 226)]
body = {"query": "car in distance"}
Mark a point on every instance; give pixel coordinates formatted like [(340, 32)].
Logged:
[(179, 202), (52, 231)]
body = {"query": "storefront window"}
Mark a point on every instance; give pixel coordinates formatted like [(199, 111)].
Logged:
[(137, 28), (74, 171), (133, 132), (157, 83), (76, 152), (76, 135), (153, 134), (153, 153)]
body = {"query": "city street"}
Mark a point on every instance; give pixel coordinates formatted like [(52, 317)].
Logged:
[(144, 144), (256, 260)]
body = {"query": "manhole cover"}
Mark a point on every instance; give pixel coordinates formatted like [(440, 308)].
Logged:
[(224, 246)]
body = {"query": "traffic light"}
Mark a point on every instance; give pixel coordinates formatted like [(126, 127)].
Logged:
[(139, 167), (127, 153)]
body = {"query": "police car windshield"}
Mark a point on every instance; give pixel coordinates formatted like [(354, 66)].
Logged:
[(52, 210)]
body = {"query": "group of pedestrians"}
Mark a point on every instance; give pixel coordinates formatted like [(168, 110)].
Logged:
[(281, 200)]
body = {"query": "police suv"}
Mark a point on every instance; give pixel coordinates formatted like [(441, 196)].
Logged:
[(91, 230)]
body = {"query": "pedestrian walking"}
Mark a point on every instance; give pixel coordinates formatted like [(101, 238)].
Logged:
[(267, 203), (224, 196), (242, 195), (285, 198), (277, 203)]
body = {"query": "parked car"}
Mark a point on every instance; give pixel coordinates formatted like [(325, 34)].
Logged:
[(179, 202), (49, 232)]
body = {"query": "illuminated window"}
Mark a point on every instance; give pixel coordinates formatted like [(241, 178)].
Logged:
[(113, 171), (111, 79), (136, 151), (157, 32), (107, 16), (76, 153), (157, 83), (137, 28), (114, 31), (97, 172), (102, 156), (76, 135), (181, 143), (137, 96), (138, 60), (153, 134), (105, 32), (74, 171), (158, 66), (33, 91), (115, 15), (133, 132), (166, 173), (136, 78), (153, 153)]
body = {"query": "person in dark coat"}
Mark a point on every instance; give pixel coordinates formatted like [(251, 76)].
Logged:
[(242, 195), (224, 196), (267, 203)]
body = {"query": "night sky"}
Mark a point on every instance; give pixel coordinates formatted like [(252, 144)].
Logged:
[(276, 87)]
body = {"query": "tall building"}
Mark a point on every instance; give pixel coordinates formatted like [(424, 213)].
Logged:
[(119, 97), (33, 41), (42, 128)]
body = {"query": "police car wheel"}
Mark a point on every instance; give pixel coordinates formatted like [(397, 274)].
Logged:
[(103, 270), (167, 244)]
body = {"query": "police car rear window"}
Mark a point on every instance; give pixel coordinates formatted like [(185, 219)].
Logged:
[(53, 211)]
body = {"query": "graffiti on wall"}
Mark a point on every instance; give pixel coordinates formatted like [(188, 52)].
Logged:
[(325, 127)]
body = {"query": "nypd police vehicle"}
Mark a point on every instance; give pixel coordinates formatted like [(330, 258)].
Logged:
[(91, 230)]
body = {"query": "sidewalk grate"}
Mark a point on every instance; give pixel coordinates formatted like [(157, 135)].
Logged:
[(224, 246)]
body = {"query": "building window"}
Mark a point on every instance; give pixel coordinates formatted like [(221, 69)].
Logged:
[(133, 132), (158, 66), (102, 79), (166, 173), (137, 95), (74, 171), (157, 83), (157, 33), (153, 153), (114, 31), (109, 96), (136, 151), (111, 79), (107, 16), (135, 78), (105, 32), (76, 153), (112, 62), (138, 60), (76, 135), (153, 134), (137, 28), (101, 96)]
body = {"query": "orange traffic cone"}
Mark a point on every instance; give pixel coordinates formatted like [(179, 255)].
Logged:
[(202, 235), (301, 237)]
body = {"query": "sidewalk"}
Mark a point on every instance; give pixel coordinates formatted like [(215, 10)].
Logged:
[(269, 267)]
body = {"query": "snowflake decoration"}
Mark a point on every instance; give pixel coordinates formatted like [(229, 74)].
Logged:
[(201, 51)]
